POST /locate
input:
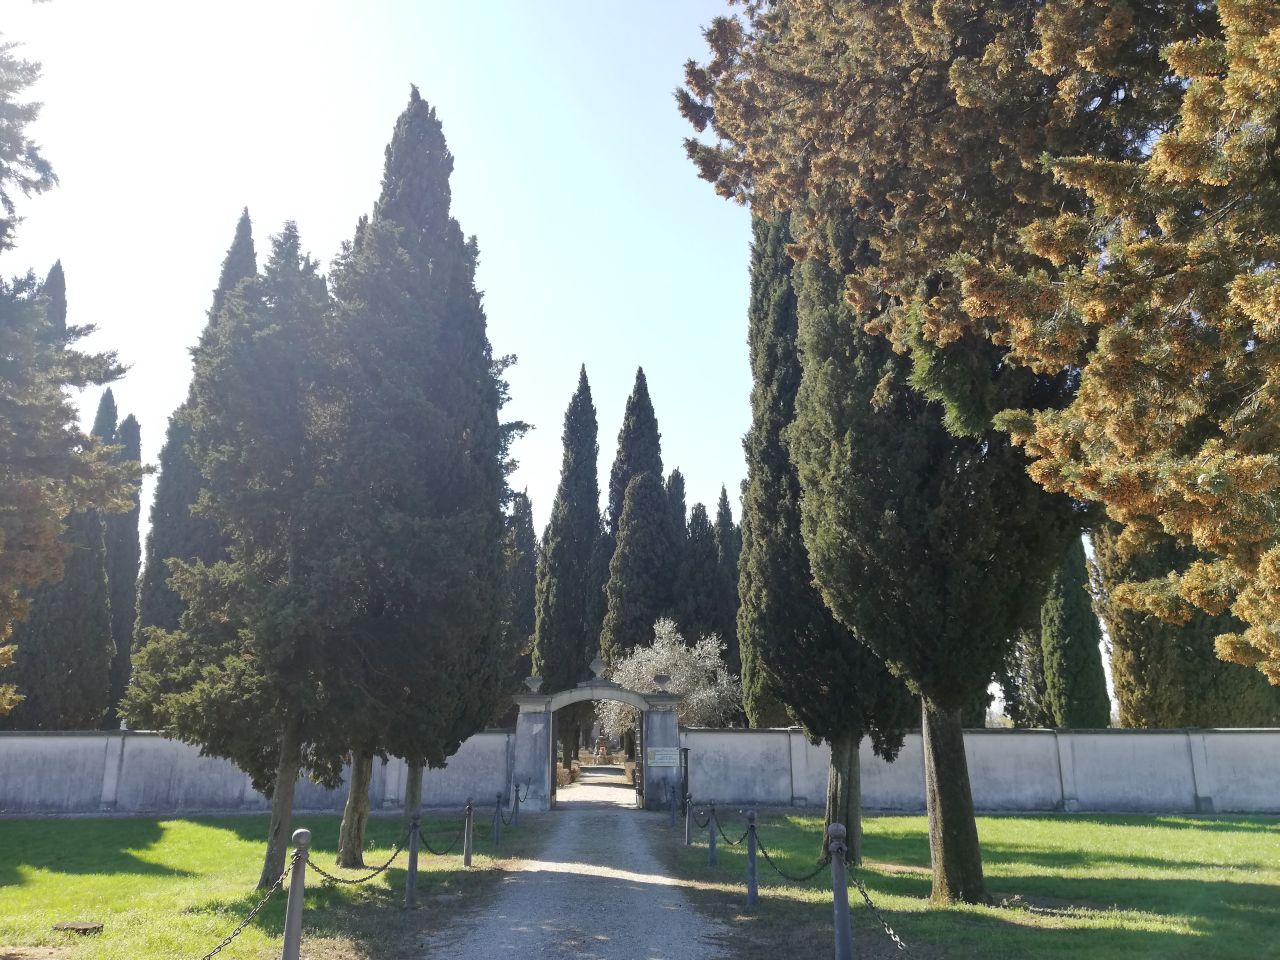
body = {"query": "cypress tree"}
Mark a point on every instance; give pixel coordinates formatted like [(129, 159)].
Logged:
[(930, 547), (639, 448), (428, 490), (175, 532), (639, 588), (697, 595), (567, 626), (1023, 683), (63, 667), (728, 539), (1168, 674), (1075, 684), (522, 567), (795, 656), (123, 553)]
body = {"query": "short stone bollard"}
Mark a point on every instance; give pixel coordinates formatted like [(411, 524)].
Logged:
[(411, 875), (752, 890), (497, 821), (297, 892), (711, 836), (688, 820), (468, 830), (840, 893)]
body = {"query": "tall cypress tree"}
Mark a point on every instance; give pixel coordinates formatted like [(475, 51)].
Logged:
[(639, 448), (639, 588), (428, 489), (1169, 674), (679, 513), (1070, 641), (63, 667), (931, 548), (522, 566), (795, 656), (567, 628), (175, 532), (697, 595), (728, 539), (123, 553)]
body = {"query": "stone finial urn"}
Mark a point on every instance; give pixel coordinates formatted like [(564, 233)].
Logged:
[(661, 680), (534, 683)]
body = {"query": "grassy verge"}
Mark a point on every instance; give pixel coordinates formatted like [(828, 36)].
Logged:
[(1105, 888), (174, 888)]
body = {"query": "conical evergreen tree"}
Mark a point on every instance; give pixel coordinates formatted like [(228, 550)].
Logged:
[(639, 449), (728, 539), (175, 532), (63, 666), (679, 515), (639, 588), (522, 566), (123, 553), (1070, 640), (697, 595), (1165, 674), (931, 548), (1023, 683), (567, 630), (794, 652)]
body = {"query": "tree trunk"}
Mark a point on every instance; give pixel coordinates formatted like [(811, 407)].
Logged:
[(568, 735), (629, 744), (844, 793), (412, 795), (953, 832), (355, 815), (287, 767)]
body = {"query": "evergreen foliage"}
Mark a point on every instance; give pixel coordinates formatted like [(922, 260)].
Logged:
[(51, 469), (639, 449), (1166, 674), (123, 551), (929, 547), (176, 532), (1023, 683), (639, 588), (567, 628), (679, 515), (22, 168), (697, 587), (728, 539), (797, 660), (1071, 641), (63, 666), (522, 570)]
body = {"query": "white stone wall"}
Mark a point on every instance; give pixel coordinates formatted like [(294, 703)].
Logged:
[(1175, 771)]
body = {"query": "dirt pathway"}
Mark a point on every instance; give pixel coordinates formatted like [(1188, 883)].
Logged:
[(594, 892)]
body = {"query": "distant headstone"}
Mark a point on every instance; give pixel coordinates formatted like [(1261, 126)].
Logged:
[(79, 926)]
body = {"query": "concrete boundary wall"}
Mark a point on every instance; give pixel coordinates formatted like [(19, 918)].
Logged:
[(1141, 771), (128, 772), (1167, 771)]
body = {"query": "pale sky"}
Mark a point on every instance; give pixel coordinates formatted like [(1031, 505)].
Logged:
[(598, 244)]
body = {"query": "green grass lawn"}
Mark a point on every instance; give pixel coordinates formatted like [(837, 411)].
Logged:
[(1096, 887), (174, 888)]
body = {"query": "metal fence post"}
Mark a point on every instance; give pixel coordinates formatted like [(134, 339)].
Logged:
[(751, 858), (411, 876), (688, 820), (468, 830), (839, 893), (711, 836), (515, 803), (674, 803), (497, 821), (297, 891)]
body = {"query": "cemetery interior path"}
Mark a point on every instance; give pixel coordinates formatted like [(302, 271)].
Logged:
[(595, 891)]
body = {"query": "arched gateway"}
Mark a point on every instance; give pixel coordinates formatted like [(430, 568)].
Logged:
[(659, 737)]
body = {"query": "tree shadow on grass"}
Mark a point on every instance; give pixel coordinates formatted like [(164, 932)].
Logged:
[(80, 847)]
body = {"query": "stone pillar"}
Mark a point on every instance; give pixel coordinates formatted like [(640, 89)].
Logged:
[(662, 751), (533, 750)]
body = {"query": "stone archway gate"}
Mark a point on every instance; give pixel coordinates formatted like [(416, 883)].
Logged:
[(535, 751)]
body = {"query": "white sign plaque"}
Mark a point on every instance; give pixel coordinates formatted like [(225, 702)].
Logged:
[(663, 757)]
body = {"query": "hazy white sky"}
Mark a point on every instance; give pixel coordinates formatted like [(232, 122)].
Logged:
[(598, 244)]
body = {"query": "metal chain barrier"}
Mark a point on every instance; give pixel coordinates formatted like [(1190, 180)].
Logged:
[(367, 877), (447, 850), (507, 821), (257, 909), (522, 796), (875, 912), (702, 824), (822, 865), (725, 836)]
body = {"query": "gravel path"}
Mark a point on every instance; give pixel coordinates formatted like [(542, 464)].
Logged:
[(595, 892)]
